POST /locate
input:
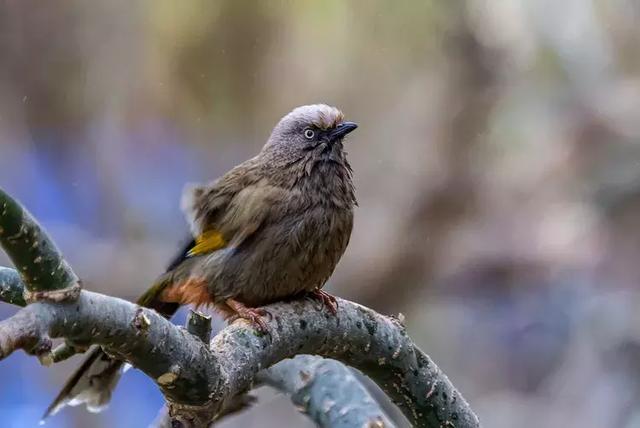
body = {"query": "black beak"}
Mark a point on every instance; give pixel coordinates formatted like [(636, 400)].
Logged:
[(341, 130)]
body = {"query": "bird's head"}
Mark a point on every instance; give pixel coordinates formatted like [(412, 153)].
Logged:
[(309, 128)]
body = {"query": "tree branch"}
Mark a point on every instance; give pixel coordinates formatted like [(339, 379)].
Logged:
[(11, 287), (177, 360), (325, 378), (327, 391), (376, 345), (196, 380), (33, 253), (199, 325)]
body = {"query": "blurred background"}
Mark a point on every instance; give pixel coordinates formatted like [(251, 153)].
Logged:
[(497, 167)]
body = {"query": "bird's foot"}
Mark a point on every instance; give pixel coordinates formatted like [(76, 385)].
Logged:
[(326, 299), (254, 315)]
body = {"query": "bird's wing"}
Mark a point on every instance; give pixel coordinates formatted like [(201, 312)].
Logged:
[(249, 210), (231, 209), (208, 241)]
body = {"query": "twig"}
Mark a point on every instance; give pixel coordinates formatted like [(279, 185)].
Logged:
[(199, 325)]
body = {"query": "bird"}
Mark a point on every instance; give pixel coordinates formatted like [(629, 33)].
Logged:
[(273, 227)]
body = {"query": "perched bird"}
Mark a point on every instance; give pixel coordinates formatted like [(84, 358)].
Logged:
[(273, 227)]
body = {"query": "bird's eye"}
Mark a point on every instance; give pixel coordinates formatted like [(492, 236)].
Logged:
[(309, 134)]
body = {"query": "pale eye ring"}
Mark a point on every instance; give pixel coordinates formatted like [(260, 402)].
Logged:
[(309, 134)]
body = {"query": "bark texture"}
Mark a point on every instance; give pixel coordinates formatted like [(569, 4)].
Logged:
[(327, 391), (32, 252)]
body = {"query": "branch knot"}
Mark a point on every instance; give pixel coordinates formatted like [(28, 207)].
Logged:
[(191, 416), (61, 295)]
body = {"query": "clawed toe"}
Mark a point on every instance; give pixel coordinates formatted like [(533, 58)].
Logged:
[(327, 300), (264, 313), (254, 315), (255, 318)]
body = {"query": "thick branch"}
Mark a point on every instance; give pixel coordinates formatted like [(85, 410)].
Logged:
[(376, 345), (32, 251), (327, 391), (177, 360), (313, 396), (190, 375)]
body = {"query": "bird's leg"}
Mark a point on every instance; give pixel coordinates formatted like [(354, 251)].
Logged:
[(253, 315), (326, 299)]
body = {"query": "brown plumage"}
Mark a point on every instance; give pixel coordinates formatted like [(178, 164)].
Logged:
[(273, 227)]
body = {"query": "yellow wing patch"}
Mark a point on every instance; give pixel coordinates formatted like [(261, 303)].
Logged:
[(209, 241)]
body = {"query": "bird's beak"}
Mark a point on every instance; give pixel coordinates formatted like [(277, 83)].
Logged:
[(341, 130)]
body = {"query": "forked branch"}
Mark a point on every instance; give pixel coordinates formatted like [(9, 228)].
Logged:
[(198, 379)]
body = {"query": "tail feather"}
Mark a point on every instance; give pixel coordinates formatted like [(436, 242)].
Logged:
[(91, 384), (94, 381)]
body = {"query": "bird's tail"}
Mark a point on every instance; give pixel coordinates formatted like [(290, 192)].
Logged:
[(91, 384), (94, 381)]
